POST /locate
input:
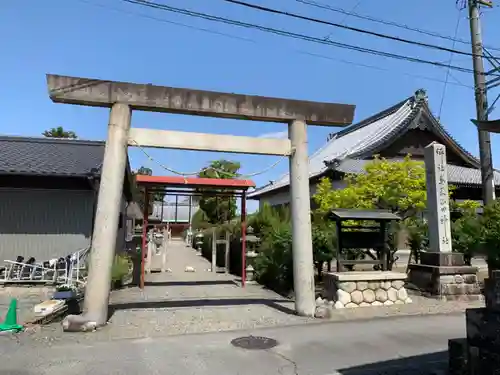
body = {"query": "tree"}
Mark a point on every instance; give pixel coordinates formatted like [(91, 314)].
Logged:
[(219, 209), (398, 186), (59, 132), (145, 171)]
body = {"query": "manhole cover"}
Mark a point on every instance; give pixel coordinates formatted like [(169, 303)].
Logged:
[(254, 342)]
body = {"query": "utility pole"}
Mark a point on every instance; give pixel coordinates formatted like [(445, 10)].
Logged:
[(481, 101)]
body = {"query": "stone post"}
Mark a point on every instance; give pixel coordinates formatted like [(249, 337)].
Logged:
[(479, 353), (303, 265), (438, 202), (214, 250), (441, 272), (107, 215)]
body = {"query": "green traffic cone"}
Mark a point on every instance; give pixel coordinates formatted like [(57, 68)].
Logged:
[(10, 322)]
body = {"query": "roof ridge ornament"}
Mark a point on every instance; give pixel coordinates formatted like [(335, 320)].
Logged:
[(420, 95), (333, 163)]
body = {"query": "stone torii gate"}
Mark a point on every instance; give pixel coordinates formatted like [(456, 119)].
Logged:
[(122, 98)]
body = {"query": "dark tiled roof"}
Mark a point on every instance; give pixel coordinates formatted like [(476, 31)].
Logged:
[(362, 140), (49, 156)]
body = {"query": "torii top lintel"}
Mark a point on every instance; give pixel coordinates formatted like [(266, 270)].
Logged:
[(147, 97)]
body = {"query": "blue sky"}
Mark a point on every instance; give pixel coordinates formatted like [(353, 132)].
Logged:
[(109, 39)]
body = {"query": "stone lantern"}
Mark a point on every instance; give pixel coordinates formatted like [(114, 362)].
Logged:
[(252, 242), (198, 241)]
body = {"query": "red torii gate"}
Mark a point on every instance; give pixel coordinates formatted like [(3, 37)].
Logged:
[(185, 186)]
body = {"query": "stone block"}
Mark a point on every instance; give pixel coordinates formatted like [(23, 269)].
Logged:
[(444, 281), (361, 285), (470, 279), (368, 295), (381, 295), (357, 297), (442, 259), (488, 361), (386, 285), (347, 286), (367, 276), (447, 279), (392, 294), (322, 312), (458, 353), (338, 305), (452, 289), (483, 328), (343, 297), (492, 290), (402, 294), (398, 284)]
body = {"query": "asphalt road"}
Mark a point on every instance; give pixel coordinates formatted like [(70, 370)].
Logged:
[(395, 346)]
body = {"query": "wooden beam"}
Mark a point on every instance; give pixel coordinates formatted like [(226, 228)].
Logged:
[(488, 126), (208, 142), (147, 97)]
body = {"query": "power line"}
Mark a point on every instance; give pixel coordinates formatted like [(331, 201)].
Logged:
[(296, 35), (215, 32), (298, 51), (346, 17), (356, 29), (302, 52), (387, 23), (448, 70)]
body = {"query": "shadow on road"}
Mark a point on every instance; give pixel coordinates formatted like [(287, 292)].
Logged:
[(275, 304), (425, 364)]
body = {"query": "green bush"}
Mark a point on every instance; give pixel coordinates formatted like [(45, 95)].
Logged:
[(324, 245), (274, 263), (268, 217), (417, 236), (491, 234), (121, 268), (466, 234)]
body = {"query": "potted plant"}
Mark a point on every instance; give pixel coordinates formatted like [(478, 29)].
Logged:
[(65, 291)]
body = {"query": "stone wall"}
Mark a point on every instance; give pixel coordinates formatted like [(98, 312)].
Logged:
[(454, 286), (445, 276), (447, 283), (359, 289)]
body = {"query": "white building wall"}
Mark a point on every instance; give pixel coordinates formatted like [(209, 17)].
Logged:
[(283, 197)]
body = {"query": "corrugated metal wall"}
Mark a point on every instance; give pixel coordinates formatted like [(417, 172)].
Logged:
[(44, 223)]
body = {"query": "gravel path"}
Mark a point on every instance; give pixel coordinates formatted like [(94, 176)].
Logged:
[(180, 302)]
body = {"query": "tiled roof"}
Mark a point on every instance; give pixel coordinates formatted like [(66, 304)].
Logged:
[(49, 156), (365, 138)]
